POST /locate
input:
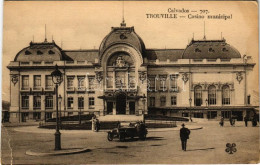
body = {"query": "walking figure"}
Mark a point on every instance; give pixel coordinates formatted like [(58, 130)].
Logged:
[(184, 135), (97, 125), (231, 121), (221, 123), (246, 120)]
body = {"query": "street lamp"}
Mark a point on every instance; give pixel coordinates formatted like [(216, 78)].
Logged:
[(57, 79), (60, 99), (80, 106), (144, 102), (190, 100)]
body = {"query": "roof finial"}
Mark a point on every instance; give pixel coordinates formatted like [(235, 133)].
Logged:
[(33, 39), (193, 36), (221, 36), (45, 40), (204, 32), (61, 44), (123, 24)]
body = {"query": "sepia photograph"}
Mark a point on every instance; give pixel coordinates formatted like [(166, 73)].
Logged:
[(130, 82)]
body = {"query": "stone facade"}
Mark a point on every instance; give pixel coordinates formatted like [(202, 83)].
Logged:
[(207, 79)]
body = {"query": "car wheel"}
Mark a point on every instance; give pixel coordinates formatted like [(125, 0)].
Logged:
[(110, 136)]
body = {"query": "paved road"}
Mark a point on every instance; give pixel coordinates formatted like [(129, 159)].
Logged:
[(205, 145)]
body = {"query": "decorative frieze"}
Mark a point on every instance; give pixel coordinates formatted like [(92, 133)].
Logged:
[(239, 77), (142, 76), (185, 77)]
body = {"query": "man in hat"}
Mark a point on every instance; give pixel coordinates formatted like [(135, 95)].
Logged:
[(184, 135)]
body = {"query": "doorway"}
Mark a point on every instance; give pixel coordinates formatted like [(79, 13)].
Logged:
[(109, 108), (121, 104), (132, 108)]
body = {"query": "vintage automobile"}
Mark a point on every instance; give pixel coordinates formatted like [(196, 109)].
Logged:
[(133, 130)]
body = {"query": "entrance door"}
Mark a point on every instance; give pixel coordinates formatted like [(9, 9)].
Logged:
[(121, 104), (109, 108), (132, 107)]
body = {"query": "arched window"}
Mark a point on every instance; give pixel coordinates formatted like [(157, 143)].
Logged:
[(212, 95), (198, 95), (225, 95)]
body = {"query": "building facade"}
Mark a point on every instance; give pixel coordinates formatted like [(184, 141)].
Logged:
[(207, 79)]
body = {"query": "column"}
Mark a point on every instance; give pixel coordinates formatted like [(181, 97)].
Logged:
[(127, 108), (43, 106), (218, 97), (114, 108)]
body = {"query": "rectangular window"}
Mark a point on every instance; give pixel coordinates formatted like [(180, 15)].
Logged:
[(173, 82), (91, 80), (174, 100), (163, 100), (120, 80), (25, 102), (131, 80), (163, 83), (49, 102), (81, 102), (70, 82), (151, 83), (36, 102), (25, 82), (152, 101), (91, 102), (48, 82), (37, 82), (70, 102), (81, 83)]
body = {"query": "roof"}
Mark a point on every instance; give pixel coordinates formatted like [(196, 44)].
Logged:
[(122, 35), (164, 54), (210, 49), (43, 51), (82, 55)]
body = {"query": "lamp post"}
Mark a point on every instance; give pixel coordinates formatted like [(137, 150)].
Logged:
[(60, 99), (57, 79), (190, 100), (144, 102), (80, 106)]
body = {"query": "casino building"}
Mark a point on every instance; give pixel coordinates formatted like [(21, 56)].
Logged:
[(207, 79)]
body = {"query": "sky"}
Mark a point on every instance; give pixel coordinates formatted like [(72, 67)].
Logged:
[(84, 24)]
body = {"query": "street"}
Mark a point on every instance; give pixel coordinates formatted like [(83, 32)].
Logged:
[(206, 145)]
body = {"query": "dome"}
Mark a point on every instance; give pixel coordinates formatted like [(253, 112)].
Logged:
[(210, 49), (37, 52), (122, 35)]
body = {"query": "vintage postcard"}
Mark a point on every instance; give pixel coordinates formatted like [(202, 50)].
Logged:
[(130, 82)]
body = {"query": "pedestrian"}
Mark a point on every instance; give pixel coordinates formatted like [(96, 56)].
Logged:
[(118, 124), (221, 123), (246, 120), (254, 121), (231, 121), (184, 135), (97, 126)]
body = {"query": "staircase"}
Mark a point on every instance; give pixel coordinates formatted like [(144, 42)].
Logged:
[(121, 118)]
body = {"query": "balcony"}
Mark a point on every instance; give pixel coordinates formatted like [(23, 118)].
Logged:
[(174, 89), (81, 89), (25, 89), (70, 89), (37, 88), (49, 89)]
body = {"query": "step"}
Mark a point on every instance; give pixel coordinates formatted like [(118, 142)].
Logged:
[(121, 118)]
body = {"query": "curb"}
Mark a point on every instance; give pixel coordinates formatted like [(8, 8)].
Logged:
[(59, 152)]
